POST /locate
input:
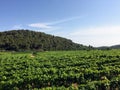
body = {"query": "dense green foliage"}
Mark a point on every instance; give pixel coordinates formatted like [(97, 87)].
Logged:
[(61, 70), (25, 40)]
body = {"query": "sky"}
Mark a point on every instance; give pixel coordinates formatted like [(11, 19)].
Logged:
[(87, 22)]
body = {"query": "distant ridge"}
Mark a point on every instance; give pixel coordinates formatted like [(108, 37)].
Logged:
[(115, 47), (109, 47), (25, 40)]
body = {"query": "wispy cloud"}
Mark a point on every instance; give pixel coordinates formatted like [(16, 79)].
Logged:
[(40, 25), (64, 20), (104, 30), (97, 36), (51, 25), (17, 27)]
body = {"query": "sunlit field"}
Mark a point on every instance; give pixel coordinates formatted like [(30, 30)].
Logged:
[(51, 70)]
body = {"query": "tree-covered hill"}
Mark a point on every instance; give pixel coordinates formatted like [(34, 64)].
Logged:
[(115, 47), (23, 40), (109, 47)]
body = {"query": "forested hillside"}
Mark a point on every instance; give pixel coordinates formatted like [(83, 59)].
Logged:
[(23, 40)]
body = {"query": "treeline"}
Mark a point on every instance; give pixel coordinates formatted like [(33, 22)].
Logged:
[(25, 40)]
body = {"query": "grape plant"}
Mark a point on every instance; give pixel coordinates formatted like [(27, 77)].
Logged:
[(60, 70)]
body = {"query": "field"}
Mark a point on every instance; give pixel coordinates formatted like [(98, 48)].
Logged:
[(60, 70)]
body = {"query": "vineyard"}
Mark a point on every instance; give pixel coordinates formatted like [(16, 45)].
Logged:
[(60, 70)]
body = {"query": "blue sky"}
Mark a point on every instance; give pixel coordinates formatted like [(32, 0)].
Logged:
[(88, 22)]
